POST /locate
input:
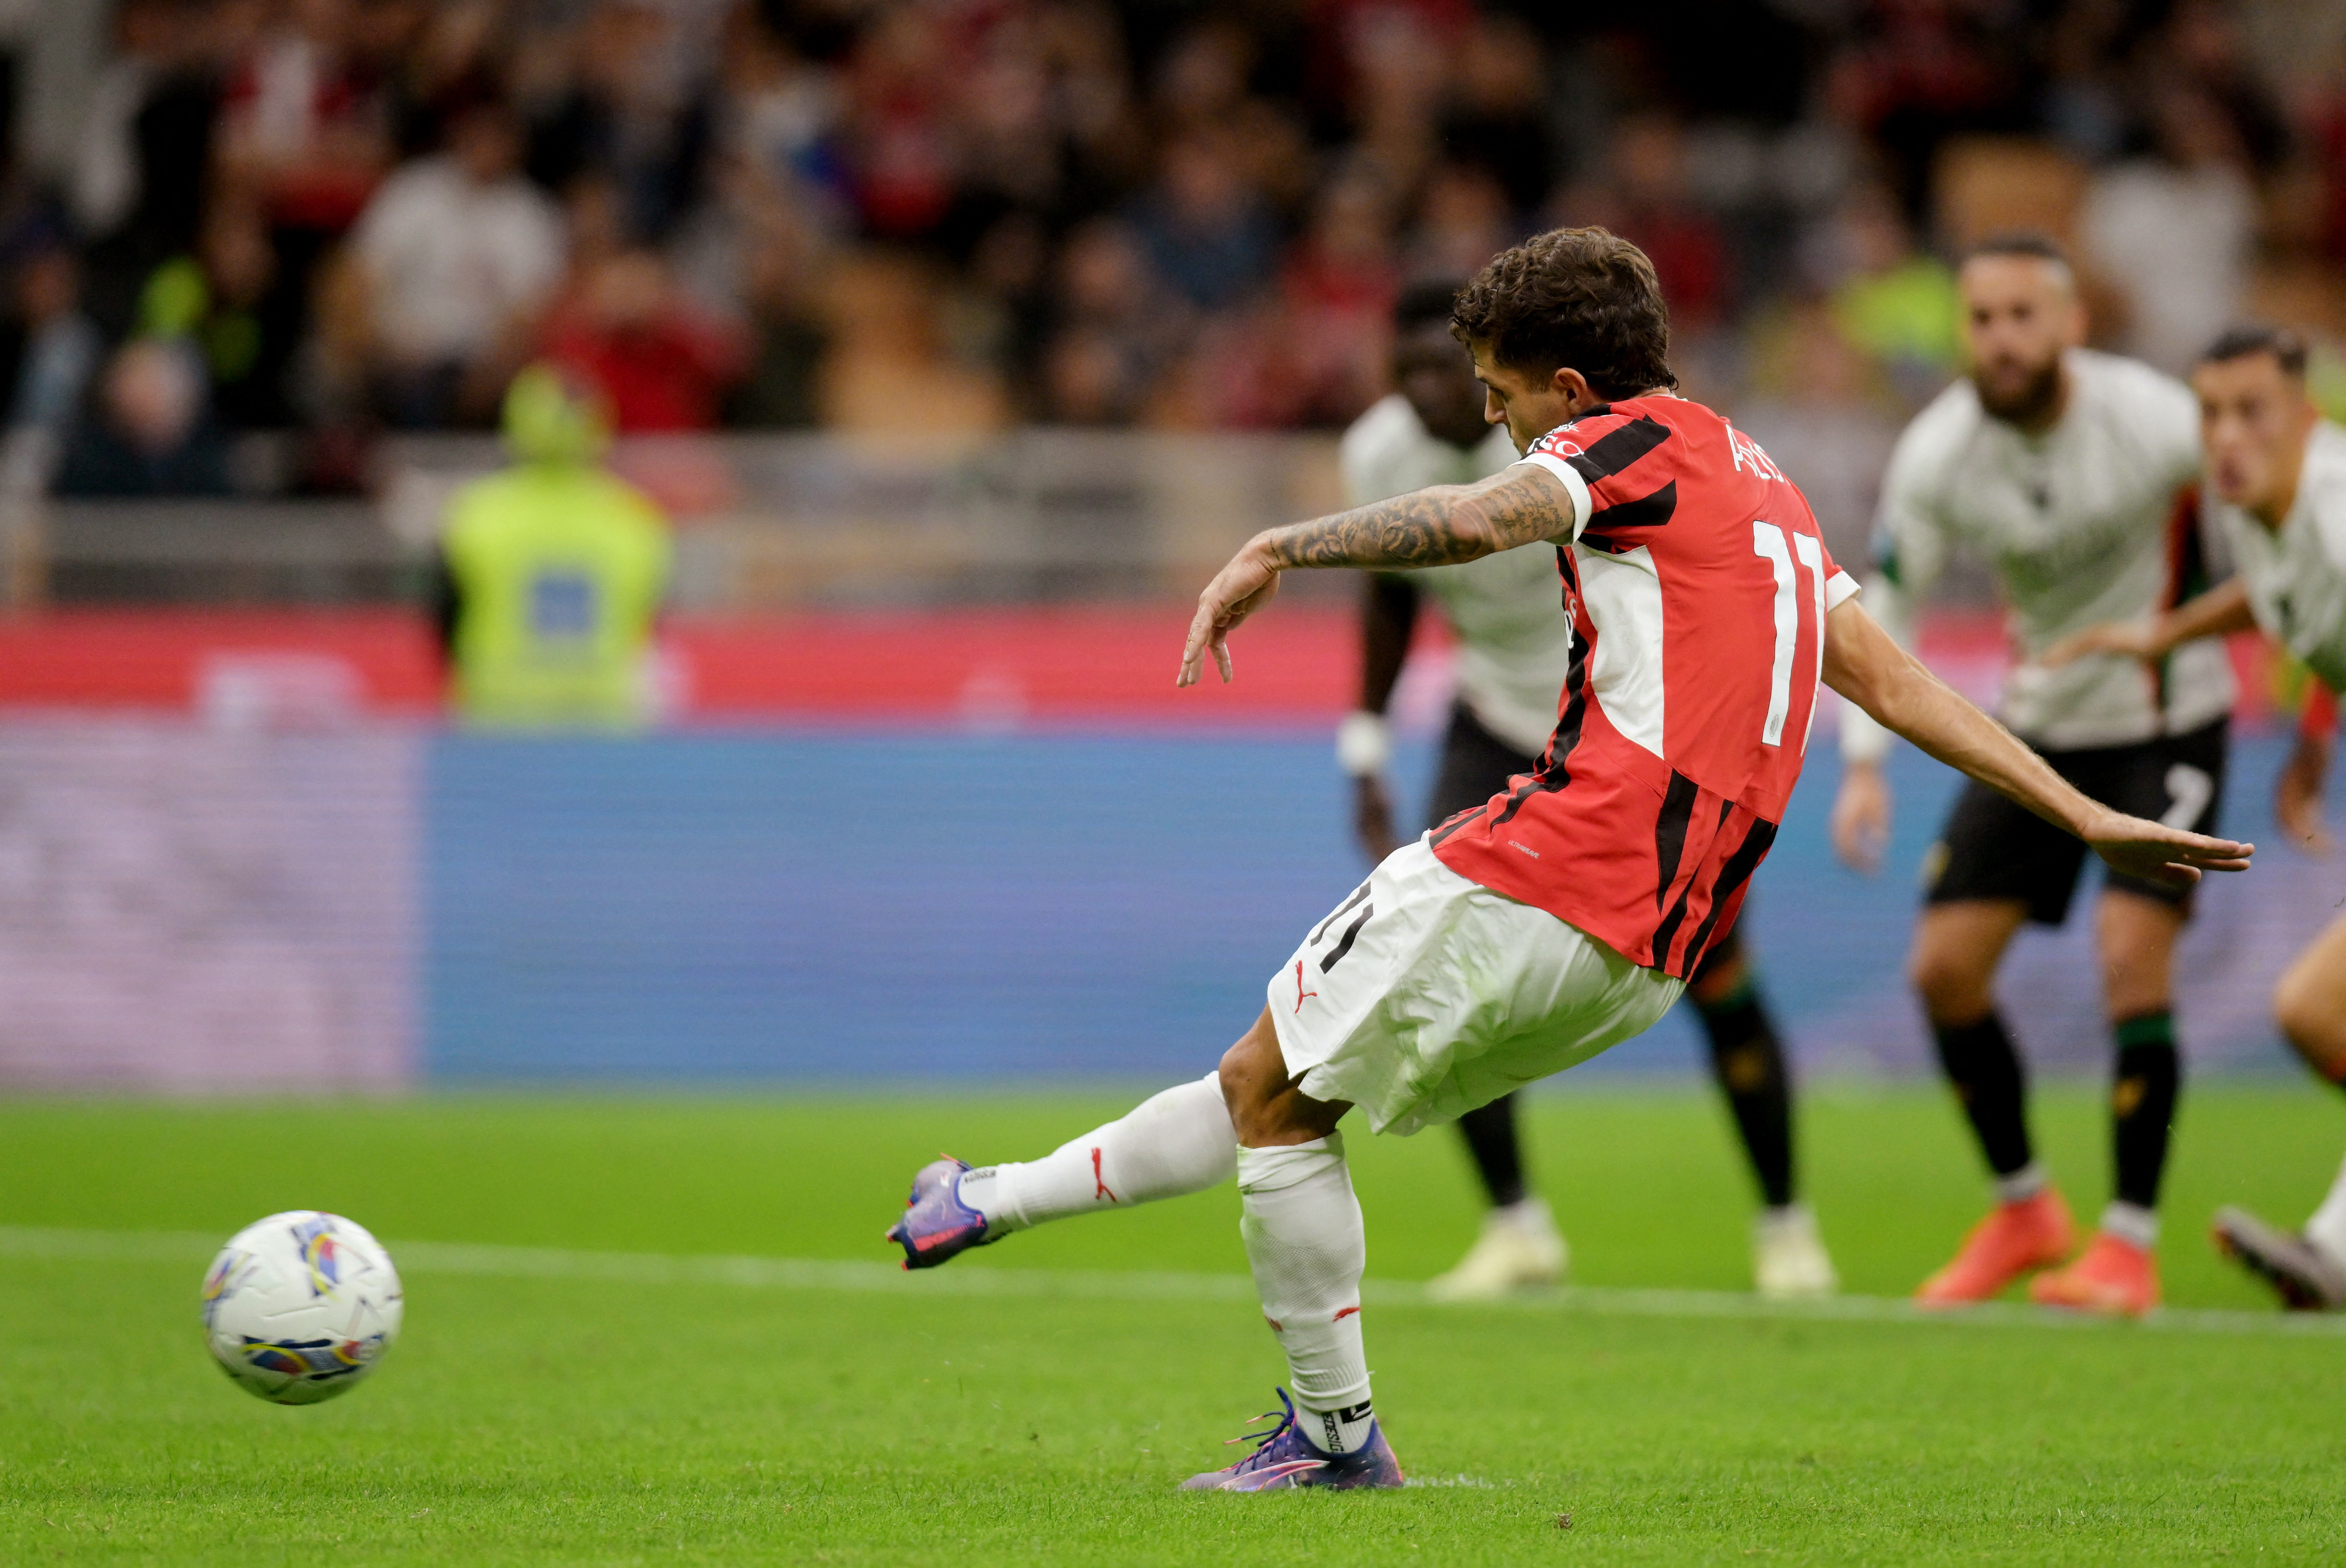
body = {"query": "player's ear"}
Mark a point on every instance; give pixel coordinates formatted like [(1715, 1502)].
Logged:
[(1573, 387)]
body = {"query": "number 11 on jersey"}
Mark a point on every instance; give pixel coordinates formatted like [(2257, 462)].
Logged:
[(1769, 542)]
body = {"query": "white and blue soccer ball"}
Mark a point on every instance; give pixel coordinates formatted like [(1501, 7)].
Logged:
[(299, 1307)]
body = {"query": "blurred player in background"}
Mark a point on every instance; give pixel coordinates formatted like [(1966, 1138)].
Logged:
[(2071, 473), (1514, 649), (2277, 478), (552, 573), (1563, 916)]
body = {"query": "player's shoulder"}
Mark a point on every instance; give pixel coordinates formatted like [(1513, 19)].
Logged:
[(1382, 440), (1386, 433), (2132, 389), (1613, 437), (1946, 425), (2323, 480), (1386, 423)]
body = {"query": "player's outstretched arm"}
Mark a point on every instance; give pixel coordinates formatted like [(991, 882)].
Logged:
[(1432, 527), (1866, 667), (2221, 610)]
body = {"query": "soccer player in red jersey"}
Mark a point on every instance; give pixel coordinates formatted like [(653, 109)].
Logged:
[(1563, 915)]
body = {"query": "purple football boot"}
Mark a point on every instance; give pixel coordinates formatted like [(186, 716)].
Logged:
[(937, 1225), (1285, 1458)]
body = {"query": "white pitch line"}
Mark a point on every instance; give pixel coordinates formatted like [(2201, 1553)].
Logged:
[(817, 1274)]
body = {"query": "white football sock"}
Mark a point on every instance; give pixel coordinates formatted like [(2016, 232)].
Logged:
[(1303, 1237), (2021, 1185), (2327, 1228), (2133, 1222), (1177, 1141)]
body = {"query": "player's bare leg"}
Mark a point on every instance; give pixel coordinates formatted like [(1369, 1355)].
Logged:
[(1958, 948), (2117, 1272), (2307, 1269)]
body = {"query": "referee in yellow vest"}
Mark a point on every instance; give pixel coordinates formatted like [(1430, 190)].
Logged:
[(553, 571)]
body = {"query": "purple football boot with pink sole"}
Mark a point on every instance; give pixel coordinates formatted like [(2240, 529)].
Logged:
[(937, 1226), (1284, 1459)]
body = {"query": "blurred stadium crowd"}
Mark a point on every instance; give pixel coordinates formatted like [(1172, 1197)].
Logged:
[(347, 217)]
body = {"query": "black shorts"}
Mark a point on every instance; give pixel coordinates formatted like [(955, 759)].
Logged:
[(1477, 764), (1992, 849)]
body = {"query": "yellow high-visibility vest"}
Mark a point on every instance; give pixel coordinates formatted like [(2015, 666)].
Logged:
[(559, 571)]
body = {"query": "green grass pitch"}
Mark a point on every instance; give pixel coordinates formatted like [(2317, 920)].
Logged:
[(573, 1408)]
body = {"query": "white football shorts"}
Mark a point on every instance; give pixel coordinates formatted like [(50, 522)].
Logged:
[(1425, 995)]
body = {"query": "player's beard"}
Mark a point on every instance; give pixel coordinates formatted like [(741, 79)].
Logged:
[(2029, 403)]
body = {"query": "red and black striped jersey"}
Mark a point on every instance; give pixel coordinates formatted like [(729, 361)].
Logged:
[(1698, 585)]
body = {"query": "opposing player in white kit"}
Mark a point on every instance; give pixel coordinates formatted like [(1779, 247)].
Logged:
[(1561, 917), (2072, 473), (1514, 649), (2277, 478)]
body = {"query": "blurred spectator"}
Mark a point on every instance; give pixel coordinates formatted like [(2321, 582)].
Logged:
[(1498, 115), (1645, 197), (1107, 212), (457, 253), (1889, 298), (1820, 408), (890, 370), (1204, 230), (2174, 231), (301, 125), (108, 180), (629, 114), (452, 65), (48, 346), (142, 163), (1319, 355), (1118, 333), (150, 434), (779, 118), (625, 330), (1462, 222)]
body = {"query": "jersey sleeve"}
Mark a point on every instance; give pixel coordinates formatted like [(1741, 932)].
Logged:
[(1620, 468), (1839, 586)]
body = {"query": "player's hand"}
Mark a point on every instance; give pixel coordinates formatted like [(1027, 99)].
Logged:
[(2130, 639), (1249, 582), (2158, 853), (2297, 797), (1861, 816), (1373, 816)]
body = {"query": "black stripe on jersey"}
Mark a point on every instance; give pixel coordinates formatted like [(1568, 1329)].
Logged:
[(1358, 894), (1618, 450), (1352, 933), (1731, 876), (1646, 512), (1670, 831), (1555, 772), (1667, 932), (1471, 814)]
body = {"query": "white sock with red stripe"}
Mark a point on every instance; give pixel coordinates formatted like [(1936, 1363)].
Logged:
[(1177, 1141), (1303, 1237)]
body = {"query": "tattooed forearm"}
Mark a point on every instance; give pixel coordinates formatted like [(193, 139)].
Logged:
[(1433, 527)]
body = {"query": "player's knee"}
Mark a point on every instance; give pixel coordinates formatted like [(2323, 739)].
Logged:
[(1954, 986), (2309, 1020), (1252, 1079)]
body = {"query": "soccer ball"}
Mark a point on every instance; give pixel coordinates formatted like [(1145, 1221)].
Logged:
[(299, 1307)]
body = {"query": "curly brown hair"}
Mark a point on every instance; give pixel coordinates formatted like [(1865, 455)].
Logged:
[(1584, 297)]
